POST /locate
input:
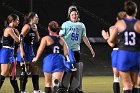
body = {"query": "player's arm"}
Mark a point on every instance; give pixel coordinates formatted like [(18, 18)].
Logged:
[(86, 41), (12, 34), (40, 49), (16, 32), (25, 30), (23, 33), (113, 35), (65, 47), (63, 30), (137, 26), (105, 34)]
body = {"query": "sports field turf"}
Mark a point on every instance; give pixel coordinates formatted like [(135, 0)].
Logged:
[(91, 84)]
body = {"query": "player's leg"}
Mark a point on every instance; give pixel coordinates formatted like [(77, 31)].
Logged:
[(13, 79), (126, 81), (67, 77), (77, 74), (56, 81), (6, 56), (34, 68), (48, 82), (124, 70), (76, 84), (23, 78), (66, 80), (4, 70), (134, 78), (138, 83), (116, 82)]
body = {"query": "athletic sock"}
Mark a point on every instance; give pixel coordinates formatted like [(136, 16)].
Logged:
[(35, 81), (138, 90), (14, 84), (134, 90), (2, 78), (127, 91), (48, 90), (116, 87)]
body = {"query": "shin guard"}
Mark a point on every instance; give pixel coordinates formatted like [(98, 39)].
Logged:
[(23, 81)]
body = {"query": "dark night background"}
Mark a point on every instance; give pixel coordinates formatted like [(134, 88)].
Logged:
[(95, 14)]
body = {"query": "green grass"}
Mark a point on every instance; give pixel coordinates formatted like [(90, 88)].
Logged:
[(91, 84)]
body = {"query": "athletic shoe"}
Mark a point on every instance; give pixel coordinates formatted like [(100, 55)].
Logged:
[(37, 91), (24, 92)]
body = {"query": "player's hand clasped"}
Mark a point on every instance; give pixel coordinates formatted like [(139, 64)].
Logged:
[(34, 27), (34, 59)]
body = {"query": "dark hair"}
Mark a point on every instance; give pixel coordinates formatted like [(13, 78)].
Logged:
[(73, 8), (121, 15), (54, 26), (10, 18), (28, 17), (130, 8)]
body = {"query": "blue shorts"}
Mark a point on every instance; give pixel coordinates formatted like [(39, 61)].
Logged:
[(114, 58), (29, 53), (128, 61), (7, 55), (54, 63)]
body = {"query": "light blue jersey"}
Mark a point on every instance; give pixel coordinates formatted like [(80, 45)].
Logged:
[(72, 33)]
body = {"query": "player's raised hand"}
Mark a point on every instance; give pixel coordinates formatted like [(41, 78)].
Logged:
[(105, 34)]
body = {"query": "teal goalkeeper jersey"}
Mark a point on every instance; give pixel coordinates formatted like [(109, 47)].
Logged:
[(72, 33)]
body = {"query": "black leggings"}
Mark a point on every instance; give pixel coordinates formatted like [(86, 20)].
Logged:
[(77, 56)]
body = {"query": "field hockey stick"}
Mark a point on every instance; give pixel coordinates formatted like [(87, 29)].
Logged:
[(25, 67)]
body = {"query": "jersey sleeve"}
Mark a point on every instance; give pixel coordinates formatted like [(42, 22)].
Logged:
[(83, 30), (63, 29)]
